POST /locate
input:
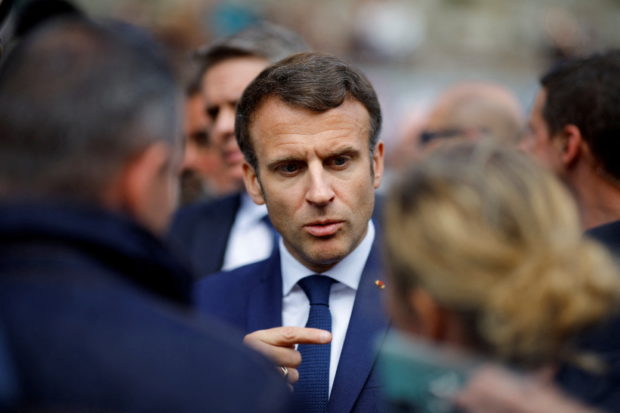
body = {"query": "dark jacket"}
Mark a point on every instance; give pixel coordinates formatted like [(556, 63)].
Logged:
[(96, 314), (199, 233), (250, 298), (598, 390)]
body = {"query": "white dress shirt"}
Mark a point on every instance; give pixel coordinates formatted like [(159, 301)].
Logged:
[(295, 303), (250, 238)]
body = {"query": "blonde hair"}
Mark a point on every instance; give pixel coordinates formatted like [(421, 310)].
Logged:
[(491, 237)]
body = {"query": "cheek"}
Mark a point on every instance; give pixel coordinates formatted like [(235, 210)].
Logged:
[(167, 199)]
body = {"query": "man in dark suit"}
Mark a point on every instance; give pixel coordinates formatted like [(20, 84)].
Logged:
[(231, 231), (574, 131), (94, 313), (308, 127)]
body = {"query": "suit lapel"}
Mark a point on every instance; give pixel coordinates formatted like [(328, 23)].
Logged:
[(216, 233), (265, 301), (367, 324)]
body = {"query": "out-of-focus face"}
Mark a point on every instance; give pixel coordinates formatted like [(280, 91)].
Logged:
[(223, 84), (196, 137), (538, 142), (159, 187), (199, 160), (315, 173)]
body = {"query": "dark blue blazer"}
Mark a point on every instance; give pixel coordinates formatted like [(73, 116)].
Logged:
[(250, 298), (199, 233), (95, 315), (598, 390)]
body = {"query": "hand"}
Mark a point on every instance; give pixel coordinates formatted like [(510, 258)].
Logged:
[(278, 344)]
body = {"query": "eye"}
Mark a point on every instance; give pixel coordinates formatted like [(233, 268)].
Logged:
[(212, 112), (339, 162), (200, 138), (289, 168)]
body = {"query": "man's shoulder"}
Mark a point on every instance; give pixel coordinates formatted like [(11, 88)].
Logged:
[(608, 235), (189, 215), (227, 295), (238, 279), (199, 233)]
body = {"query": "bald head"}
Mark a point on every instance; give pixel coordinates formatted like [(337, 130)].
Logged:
[(477, 110)]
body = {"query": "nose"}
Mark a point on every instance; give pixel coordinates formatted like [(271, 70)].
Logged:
[(190, 157), (224, 126), (320, 191)]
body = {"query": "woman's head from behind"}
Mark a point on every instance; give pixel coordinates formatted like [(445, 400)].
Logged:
[(485, 251)]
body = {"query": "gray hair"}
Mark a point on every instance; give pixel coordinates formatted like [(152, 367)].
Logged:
[(79, 99), (265, 40)]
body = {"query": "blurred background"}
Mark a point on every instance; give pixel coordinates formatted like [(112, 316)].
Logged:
[(410, 49)]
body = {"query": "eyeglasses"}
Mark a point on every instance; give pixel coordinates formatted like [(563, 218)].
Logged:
[(428, 136)]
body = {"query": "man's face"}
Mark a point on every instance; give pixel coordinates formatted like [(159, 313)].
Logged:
[(196, 136), (538, 143), (315, 175), (199, 159), (222, 85), (158, 186)]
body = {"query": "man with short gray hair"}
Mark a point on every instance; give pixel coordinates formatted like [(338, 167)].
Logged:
[(95, 311), (232, 231)]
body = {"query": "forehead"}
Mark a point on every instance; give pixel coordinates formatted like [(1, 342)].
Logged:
[(226, 80), (279, 127)]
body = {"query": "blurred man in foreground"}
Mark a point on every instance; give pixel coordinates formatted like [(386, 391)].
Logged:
[(94, 310)]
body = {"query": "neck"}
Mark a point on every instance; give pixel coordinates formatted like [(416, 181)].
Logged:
[(598, 198)]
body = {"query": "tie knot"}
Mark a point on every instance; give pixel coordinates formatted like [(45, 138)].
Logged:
[(317, 288)]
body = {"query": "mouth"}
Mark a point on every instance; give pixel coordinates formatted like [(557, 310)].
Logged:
[(325, 228)]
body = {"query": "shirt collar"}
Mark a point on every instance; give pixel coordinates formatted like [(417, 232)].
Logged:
[(249, 212), (348, 271)]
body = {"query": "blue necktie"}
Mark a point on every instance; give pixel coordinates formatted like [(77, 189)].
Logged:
[(312, 389)]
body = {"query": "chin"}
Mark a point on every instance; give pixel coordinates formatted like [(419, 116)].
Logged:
[(326, 259)]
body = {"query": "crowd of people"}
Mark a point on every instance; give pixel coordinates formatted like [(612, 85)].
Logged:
[(484, 281)]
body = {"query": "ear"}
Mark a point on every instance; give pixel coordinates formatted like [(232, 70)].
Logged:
[(431, 322), (140, 184), (572, 145), (377, 164), (252, 184)]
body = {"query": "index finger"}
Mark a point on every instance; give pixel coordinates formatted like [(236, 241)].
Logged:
[(289, 336)]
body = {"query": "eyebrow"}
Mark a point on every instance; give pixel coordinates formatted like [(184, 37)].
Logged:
[(332, 153)]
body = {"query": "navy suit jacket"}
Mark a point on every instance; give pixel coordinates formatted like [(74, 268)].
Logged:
[(199, 233), (598, 390), (250, 298), (94, 315)]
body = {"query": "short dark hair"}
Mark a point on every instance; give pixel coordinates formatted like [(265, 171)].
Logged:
[(78, 99), (585, 92), (264, 40), (313, 81)]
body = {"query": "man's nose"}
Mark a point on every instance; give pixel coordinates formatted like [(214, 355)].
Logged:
[(320, 191), (224, 126), (190, 157)]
